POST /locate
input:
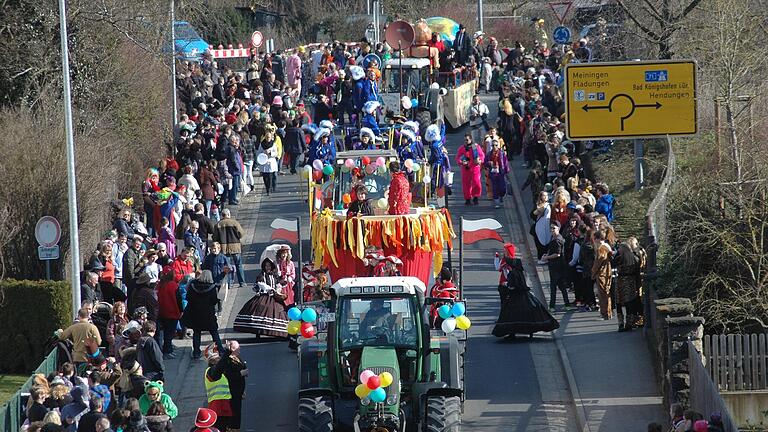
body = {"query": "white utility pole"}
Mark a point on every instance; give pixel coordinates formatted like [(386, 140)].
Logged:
[(74, 236), (173, 69)]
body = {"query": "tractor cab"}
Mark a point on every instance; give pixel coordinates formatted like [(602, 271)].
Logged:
[(379, 324), (411, 78)]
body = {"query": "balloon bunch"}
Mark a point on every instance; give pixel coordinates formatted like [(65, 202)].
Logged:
[(454, 317), (319, 169), (302, 322), (411, 165), (373, 385)]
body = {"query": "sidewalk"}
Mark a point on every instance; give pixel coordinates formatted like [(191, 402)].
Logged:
[(611, 374), (184, 376)]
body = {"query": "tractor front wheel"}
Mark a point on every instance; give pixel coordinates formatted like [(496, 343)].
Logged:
[(443, 414), (315, 414)]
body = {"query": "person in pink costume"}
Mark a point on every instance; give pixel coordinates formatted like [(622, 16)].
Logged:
[(470, 158)]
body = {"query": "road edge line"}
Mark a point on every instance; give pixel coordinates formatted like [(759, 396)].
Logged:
[(565, 363)]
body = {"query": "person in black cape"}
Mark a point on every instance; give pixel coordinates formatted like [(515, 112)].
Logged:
[(521, 312)]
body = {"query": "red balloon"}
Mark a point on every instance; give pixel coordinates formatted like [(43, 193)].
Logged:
[(305, 325), (373, 382), (366, 160), (307, 331), (317, 175)]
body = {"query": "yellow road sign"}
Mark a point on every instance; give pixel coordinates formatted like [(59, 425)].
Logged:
[(630, 99)]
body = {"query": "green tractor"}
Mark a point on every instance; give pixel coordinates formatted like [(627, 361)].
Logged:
[(380, 324)]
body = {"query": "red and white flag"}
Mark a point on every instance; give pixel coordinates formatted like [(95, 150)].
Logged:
[(285, 229), (481, 229)]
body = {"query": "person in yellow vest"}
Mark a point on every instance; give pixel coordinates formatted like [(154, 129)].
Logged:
[(217, 388)]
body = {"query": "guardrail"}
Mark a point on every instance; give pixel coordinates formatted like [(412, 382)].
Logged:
[(12, 413)]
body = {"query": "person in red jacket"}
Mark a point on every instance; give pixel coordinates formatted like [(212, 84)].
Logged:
[(399, 191), (182, 265), (169, 310)]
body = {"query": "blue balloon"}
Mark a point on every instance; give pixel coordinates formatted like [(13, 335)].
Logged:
[(309, 315), (379, 395), (414, 103), (294, 314), (458, 309), (444, 311)]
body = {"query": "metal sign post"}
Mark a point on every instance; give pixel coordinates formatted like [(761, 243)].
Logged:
[(298, 291), (639, 161), (461, 257)]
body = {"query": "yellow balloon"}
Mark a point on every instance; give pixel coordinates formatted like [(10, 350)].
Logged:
[(362, 390), (386, 379), (294, 327), (463, 322)]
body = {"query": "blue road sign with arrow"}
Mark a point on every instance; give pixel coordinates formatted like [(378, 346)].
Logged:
[(561, 35)]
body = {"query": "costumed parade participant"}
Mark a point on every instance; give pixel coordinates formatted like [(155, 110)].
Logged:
[(443, 288), (439, 161), (496, 161), (361, 206), (399, 191), (322, 149), (367, 139), (264, 314), (389, 266), (470, 156), (409, 148), (286, 271), (521, 312), (369, 117)]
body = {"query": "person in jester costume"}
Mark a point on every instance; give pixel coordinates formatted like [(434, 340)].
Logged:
[(369, 117), (439, 161), (322, 148)]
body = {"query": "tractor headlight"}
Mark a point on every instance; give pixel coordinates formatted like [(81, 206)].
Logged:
[(391, 399), (365, 401)]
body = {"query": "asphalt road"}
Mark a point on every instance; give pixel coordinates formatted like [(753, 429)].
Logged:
[(511, 386)]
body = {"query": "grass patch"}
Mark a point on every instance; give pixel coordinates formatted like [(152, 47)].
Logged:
[(10, 384), (616, 168)]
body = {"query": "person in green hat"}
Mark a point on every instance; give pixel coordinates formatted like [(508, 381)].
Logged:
[(153, 392)]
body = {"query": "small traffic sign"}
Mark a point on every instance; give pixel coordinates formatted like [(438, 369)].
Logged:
[(560, 9), (48, 253), (630, 99), (561, 35), (257, 39), (47, 231)]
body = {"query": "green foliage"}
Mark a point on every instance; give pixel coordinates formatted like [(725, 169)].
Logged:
[(30, 313)]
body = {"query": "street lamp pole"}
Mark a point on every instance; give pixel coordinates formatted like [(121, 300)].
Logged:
[(74, 236), (173, 67), (480, 14)]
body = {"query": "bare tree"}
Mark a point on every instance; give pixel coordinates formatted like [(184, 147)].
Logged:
[(659, 20)]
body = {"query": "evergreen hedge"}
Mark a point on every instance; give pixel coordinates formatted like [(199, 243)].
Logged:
[(30, 312)]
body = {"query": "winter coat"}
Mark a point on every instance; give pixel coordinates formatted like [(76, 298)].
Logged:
[(150, 357), (169, 300), (146, 296), (399, 195), (200, 313), (216, 263), (205, 225), (130, 262), (208, 183), (123, 227), (295, 141), (604, 206), (159, 423), (228, 232)]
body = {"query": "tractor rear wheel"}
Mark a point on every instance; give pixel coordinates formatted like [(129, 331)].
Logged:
[(443, 414), (315, 414)]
